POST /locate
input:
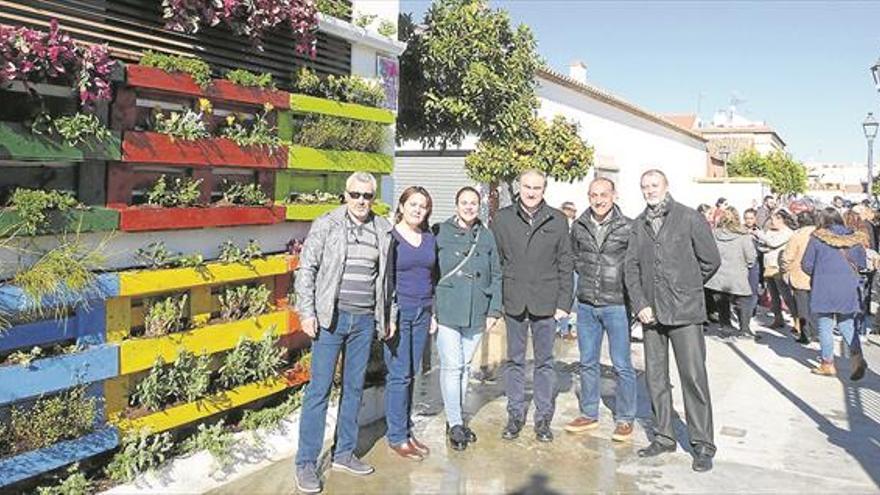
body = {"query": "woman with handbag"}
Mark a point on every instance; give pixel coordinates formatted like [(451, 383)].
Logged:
[(834, 259), (468, 302)]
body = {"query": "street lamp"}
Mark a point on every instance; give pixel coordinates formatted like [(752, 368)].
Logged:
[(869, 126), (724, 152), (875, 73)]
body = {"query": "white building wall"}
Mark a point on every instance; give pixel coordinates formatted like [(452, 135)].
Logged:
[(631, 143)]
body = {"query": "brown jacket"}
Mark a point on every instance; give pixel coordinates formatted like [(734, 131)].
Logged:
[(792, 256)]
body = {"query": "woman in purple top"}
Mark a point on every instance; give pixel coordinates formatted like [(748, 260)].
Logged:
[(411, 263)]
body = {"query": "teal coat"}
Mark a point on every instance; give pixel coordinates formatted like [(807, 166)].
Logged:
[(466, 298)]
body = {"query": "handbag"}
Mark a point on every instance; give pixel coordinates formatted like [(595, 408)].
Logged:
[(464, 261)]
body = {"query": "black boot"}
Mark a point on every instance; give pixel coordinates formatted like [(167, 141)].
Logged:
[(471, 436), (514, 426), (457, 437)]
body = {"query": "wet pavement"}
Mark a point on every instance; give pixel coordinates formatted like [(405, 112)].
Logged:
[(778, 428)]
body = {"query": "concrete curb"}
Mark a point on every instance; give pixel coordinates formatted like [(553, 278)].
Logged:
[(253, 451)]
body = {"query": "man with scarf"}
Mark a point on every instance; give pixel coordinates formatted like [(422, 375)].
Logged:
[(671, 254)]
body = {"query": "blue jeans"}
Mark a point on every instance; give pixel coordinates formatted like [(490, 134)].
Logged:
[(593, 323), (846, 325), (351, 334), (456, 346), (403, 357)]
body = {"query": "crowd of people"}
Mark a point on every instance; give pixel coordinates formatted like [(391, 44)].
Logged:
[(549, 273)]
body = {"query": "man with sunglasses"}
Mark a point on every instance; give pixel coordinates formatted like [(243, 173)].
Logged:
[(340, 297)]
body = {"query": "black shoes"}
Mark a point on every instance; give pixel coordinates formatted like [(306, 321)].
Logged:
[(542, 431), (702, 462), (511, 431), (457, 437), (858, 365), (656, 449), (471, 436)]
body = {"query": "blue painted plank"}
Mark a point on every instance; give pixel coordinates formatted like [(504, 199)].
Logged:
[(87, 325), (57, 373), (29, 464), (14, 300)]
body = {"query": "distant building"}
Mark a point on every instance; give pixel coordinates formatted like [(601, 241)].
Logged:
[(826, 180)]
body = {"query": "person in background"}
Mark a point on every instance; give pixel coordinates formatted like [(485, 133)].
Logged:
[(599, 239), (839, 204), (535, 252), (771, 243), (412, 256), (834, 257), (565, 326), (763, 212), (718, 212), (855, 222), (798, 280), (711, 311), (730, 284), (468, 302), (340, 298), (750, 223), (706, 211)]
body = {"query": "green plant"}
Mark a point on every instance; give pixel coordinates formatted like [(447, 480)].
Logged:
[(230, 253), (215, 439), (252, 361), (76, 483), (268, 357), (314, 198), (387, 28), (197, 68), (155, 390), (244, 302), (786, 175), (335, 133), (236, 367), (191, 376), (335, 8), (140, 452), (249, 79), (363, 20), (271, 417), (194, 260), (75, 129), (183, 192), (70, 414), (349, 89), (32, 206), (23, 358), (258, 132), (188, 126), (164, 315), (156, 255)]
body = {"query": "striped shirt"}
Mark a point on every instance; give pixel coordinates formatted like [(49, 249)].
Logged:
[(357, 293)]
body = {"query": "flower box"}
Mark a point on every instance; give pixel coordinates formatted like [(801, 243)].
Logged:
[(310, 104), (154, 147), (203, 408), (144, 282), (86, 325), (20, 144), (304, 158), (44, 376), (145, 218), (220, 90), (30, 464), (76, 220), (310, 212), (13, 300), (139, 354)]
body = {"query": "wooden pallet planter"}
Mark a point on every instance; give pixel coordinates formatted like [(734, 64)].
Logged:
[(13, 300), (157, 148), (20, 144), (28, 464), (301, 103), (139, 354), (304, 213), (144, 219), (176, 416), (91, 219), (304, 158), (219, 90), (86, 325), (53, 374), (146, 282)]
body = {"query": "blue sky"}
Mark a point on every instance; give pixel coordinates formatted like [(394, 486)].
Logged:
[(800, 66)]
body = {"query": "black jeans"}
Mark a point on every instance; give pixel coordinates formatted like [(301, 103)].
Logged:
[(744, 306), (779, 291), (543, 337)]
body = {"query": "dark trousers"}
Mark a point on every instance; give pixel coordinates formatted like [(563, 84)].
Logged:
[(744, 306), (779, 291), (543, 336), (690, 356)]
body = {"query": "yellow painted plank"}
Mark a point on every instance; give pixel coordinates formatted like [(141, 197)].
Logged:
[(140, 354), (118, 318), (200, 305), (116, 395), (141, 282), (188, 413)]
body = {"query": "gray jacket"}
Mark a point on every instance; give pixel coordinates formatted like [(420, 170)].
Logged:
[(737, 256), (321, 263)]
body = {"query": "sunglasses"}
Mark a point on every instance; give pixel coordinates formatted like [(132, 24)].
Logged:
[(357, 195)]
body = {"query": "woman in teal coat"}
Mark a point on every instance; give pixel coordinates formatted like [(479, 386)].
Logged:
[(467, 302)]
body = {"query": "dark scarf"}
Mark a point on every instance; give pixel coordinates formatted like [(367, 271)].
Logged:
[(655, 214)]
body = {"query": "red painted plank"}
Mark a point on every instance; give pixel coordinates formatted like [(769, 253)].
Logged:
[(219, 90), (152, 147), (140, 219)]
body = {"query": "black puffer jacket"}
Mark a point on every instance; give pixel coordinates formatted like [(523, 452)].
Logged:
[(600, 263)]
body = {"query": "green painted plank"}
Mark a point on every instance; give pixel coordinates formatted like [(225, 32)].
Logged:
[(89, 220), (303, 158), (310, 212), (19, 143), (311, 104)]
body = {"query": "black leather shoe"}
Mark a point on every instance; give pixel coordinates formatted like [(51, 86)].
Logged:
[(702, 463), (542, 431), (471, 436), (655, 449), (457, 438), (511, 431)]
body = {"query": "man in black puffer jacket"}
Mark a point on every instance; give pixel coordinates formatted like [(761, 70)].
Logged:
[(599, 239)]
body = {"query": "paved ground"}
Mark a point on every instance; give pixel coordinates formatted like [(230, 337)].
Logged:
[(779, 429)]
